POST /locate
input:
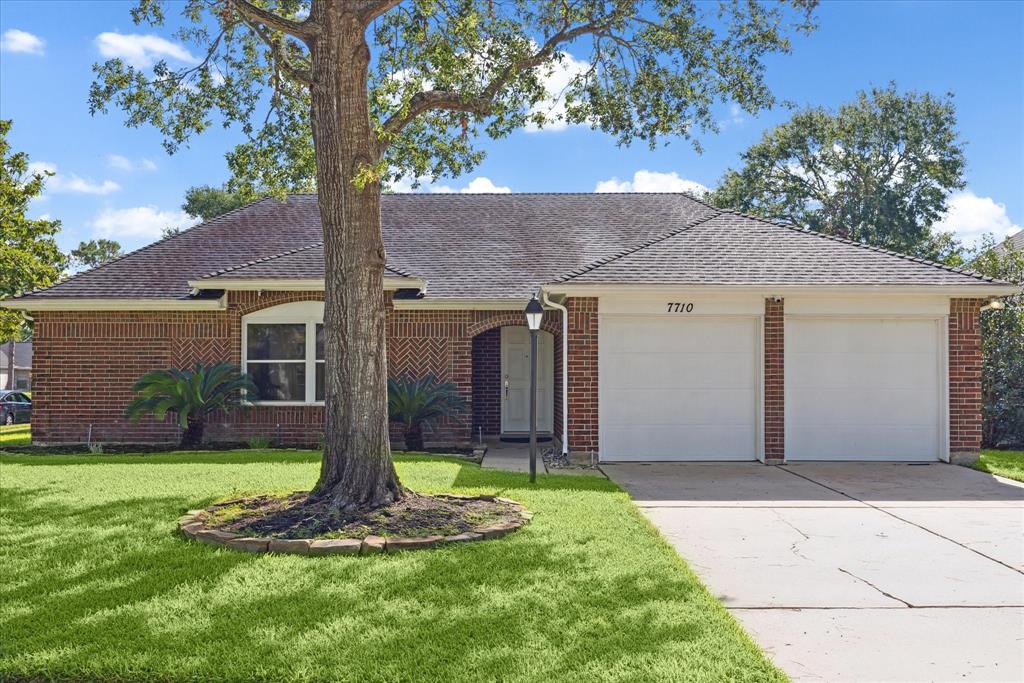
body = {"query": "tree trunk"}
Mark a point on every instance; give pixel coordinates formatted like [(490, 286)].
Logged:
[(356, 471), (192, 437), (414, 437)]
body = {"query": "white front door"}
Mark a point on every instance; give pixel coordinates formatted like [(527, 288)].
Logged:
[(515, 380)]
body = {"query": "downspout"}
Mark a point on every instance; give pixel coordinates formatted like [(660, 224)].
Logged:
[(565, 369)]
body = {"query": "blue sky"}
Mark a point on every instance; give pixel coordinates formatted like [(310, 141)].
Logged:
[(117, 182)]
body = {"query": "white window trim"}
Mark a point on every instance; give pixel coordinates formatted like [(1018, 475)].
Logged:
[(308, 313)]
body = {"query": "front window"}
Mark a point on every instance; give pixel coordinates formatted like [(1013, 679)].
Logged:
[(283, 352)]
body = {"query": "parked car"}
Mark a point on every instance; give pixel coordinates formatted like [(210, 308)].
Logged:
[(14, 407)]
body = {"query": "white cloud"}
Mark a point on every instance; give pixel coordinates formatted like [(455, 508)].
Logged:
[(70, 183), (141, 51), (971, 216), (138, 221), (477, 185), (121, 163), (651, 181), (16, 40), (735, 117), (556, 79)]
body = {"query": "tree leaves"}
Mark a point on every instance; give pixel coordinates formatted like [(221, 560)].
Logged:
[(29, 256), (878, 171)]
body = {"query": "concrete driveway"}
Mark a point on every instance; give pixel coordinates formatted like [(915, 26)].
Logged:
[(853, 571)]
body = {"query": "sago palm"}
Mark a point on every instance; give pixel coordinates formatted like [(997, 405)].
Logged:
[(192, 395), (415, 403)]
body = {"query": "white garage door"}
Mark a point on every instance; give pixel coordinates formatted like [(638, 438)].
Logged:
[(678, 388), (862, 389)]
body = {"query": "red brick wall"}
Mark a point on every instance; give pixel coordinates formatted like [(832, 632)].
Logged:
[(774, 381), (86, 362), (487, 382), (965, 377), (582, 376)]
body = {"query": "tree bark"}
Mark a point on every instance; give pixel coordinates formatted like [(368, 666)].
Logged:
[(414, 437), (356, 471)]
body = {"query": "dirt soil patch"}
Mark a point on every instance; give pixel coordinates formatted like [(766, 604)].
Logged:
[(297, 516)]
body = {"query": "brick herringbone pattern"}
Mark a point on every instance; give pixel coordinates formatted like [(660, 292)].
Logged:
[(188, 352), (419, 356)]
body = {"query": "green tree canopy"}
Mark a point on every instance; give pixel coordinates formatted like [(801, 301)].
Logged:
[(207, 202), (95, 253), (29, 256), (878, 170), (1002, 338), (347, 95)]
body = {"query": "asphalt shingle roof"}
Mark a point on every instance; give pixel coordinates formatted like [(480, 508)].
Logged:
[(506, 245)]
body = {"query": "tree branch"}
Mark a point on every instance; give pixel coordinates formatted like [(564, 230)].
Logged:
[(372, 10), (303, 30), (482, 104), (280, 59)]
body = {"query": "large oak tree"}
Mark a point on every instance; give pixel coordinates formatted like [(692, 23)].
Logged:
[(389, 88)]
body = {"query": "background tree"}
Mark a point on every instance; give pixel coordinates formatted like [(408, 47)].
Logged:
[(29, 257), (95, 253), (1002, 338), (878, 171), (207, 202), (391, 88)]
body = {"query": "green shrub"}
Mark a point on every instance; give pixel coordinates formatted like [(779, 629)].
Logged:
[(416, 403), (258, 443)]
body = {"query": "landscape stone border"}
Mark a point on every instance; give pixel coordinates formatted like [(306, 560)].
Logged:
[(192, 526)]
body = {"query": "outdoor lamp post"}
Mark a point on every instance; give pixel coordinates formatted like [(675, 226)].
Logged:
[(534, 312)]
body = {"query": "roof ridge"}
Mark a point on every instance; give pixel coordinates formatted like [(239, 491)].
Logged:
[(869, 247), (593, 265), (264, 259), (144, 247)]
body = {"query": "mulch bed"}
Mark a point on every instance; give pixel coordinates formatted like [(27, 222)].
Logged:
[(415, 515)]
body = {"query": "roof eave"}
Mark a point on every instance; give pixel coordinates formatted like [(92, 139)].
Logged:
[(236, 284), (111, 304), (980, 290)]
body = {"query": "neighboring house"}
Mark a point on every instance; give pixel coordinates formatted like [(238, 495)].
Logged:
[(687, 332), (1016, 241), (18, 375)]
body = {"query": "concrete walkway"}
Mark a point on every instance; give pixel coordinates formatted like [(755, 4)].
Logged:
[(853, 571)]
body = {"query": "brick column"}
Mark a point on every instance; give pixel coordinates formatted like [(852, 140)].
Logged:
[(774, 382), (964, 379), (582, 371)]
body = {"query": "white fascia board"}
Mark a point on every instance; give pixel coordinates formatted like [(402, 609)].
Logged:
[(960, 291), (293, 285), (428, 304), (115, 304)]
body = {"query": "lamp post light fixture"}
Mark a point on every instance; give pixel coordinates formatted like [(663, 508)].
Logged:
[(534, 313)]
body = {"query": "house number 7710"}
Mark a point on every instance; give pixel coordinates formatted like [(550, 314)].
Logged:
[(680, 307)]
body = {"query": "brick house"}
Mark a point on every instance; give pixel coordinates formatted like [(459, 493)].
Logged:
[(672, 330)]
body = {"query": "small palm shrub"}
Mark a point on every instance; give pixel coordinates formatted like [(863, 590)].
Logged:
[(416, 403), (258, 443), (191, 395)]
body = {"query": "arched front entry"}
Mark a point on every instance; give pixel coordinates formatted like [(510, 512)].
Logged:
[(501, 379)]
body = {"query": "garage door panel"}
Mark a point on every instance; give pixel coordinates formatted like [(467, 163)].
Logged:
[(678, 388), (865, 371), (727, 408), (853, 442), (702, 442), (646, 335), (703, 371), (862, 389), (860, 335)]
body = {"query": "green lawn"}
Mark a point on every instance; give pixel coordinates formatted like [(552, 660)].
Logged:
[(98, 586), (15, 435), (1009, 464)]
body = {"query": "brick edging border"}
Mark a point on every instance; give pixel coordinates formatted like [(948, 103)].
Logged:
[(191, 525)]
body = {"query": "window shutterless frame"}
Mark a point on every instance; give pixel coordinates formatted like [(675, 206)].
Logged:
[(308, 313)]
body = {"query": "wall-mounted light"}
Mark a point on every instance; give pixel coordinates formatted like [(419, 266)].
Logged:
[(994, 305)]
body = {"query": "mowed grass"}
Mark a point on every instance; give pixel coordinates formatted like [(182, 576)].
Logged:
[(98, 586), (15, 435), (1009, 464)]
